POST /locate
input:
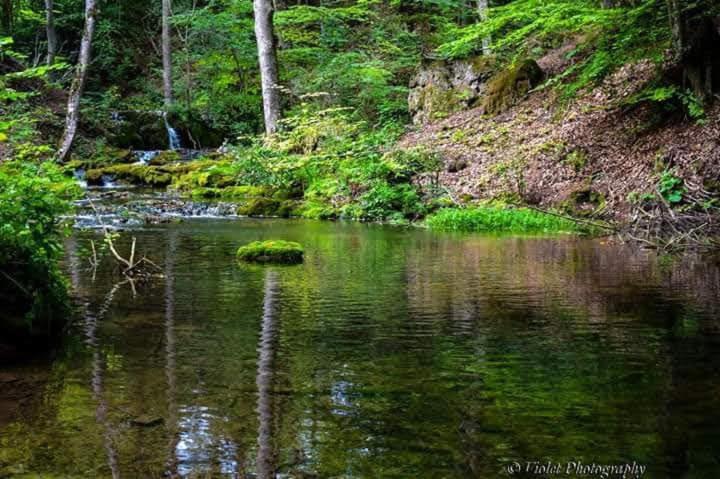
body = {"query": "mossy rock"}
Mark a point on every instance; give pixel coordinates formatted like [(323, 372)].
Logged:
[(165, 157), (133, 173), (510, 85), (584, 202), (263, 206), (272, 251), (94, 177)]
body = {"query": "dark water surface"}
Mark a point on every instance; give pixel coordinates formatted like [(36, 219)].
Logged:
[(391, 352)]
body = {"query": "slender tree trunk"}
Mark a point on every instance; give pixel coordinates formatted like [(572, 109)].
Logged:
[(268, 63), (677, 26), (483, 7), (7, 16), (51, 35), (78, 84), (167, 53)]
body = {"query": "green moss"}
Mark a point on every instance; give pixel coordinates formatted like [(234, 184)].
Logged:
[(263, 206), (577, 159), (134, 173), (584, 203), (500, 219), (165, 157), (94, 177), (271, 251), (510, 85)]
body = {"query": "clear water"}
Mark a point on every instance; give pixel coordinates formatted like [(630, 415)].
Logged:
[(390, 352)]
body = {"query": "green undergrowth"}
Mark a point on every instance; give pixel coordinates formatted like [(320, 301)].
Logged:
[(271, 251), (604, 38), (497, 218), (33, 197), (324, 164)]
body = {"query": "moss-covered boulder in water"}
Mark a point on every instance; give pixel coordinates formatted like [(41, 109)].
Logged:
[(272, 251), (510, 85)]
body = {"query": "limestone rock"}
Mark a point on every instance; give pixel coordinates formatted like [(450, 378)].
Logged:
[(442, 87)]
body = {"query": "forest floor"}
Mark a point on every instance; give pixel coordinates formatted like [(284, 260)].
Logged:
[(595, 154)]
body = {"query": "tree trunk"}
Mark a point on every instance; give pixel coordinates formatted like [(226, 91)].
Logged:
[(268, 63), (51, 35), (7, 17), (167, 53), (483, 7), (78, 84), (696, 42), (677, 26)]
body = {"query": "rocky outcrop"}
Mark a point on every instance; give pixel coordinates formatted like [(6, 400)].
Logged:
[(511, 85), (443, 87)]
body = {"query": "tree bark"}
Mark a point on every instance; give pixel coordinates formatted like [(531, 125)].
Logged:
[(78, 84), (677, 26), (167, 53), (483, 7), (51, 35), (696, 41), (7, 17), (267, 58)]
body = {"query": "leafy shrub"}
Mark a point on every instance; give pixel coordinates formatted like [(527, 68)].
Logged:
[(32, 199), (670, 187)]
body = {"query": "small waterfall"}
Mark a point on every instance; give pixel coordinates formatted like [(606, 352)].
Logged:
[(108, 181), (173, 136), (79, 175), (145, 156)]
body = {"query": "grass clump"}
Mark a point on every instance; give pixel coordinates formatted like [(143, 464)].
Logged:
[(500, 219), (272, 251)]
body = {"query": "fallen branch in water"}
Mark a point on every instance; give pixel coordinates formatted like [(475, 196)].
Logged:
[(132, 269)]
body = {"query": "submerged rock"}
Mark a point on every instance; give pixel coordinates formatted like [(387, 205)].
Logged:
[(147, 421), (272, 251)]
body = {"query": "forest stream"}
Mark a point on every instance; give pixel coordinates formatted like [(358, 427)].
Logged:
[(391, 352)]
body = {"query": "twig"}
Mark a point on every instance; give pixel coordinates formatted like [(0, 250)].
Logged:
[(570, 218), (13, 281)]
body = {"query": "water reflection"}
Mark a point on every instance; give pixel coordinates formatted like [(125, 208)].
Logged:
[(389, 353), (266, 350)]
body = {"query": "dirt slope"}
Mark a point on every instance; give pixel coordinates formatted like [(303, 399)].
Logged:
[(589, 155)]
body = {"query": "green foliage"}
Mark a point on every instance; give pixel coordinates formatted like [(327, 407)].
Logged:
[(271, 251), (493, 218), (32, 199), (670, 98), (605, 38), (519, 26), (671, 187), (334, 162)]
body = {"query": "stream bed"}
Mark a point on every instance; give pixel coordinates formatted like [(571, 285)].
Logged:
[(391, 352)]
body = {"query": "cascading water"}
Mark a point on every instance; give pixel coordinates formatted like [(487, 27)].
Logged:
[(79, 175), (173, 136), (145, 156)]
